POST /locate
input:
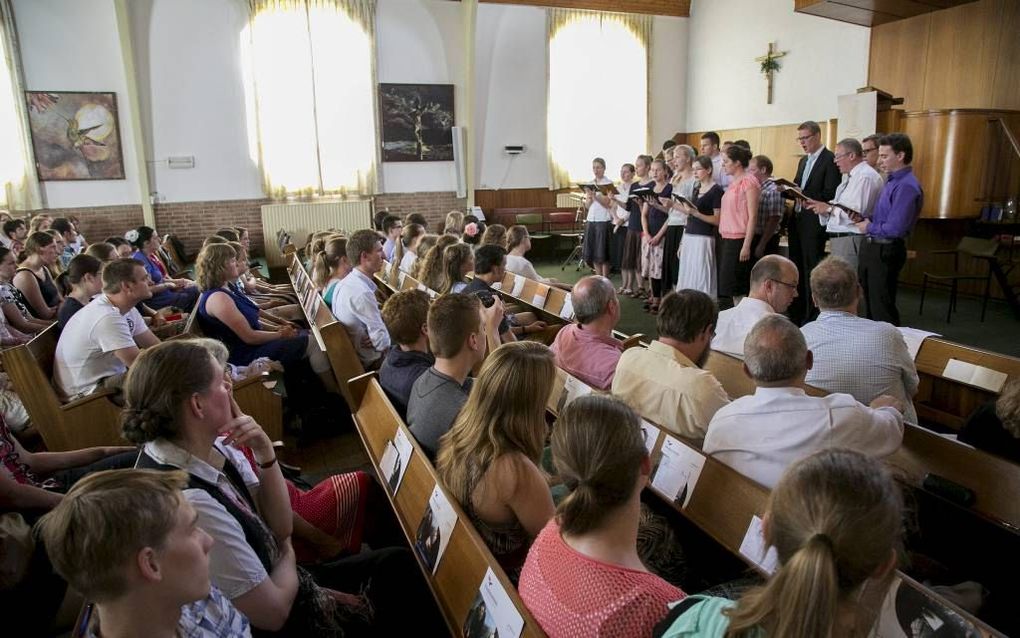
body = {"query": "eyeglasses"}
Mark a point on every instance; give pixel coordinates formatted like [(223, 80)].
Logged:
[(780, 281), (839, 156), (804, 138)]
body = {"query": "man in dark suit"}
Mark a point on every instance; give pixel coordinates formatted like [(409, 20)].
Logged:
[(817, 176)]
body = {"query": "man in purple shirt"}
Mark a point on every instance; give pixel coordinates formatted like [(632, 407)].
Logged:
[(587, 349), (885, 249)]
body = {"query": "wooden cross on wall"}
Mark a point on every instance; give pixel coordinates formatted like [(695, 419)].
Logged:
[(769, 66)]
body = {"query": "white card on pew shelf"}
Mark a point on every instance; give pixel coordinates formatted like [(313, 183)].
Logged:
[(753, 547), (541, 292), (915, 338), (435, 529), (493, 612), (518, 286), (318, 337), (401, 278), (650, 434), (679, 469), (567, 311), (982, 377), (422, 287), (497, 285), (395, 460), (572, 389)]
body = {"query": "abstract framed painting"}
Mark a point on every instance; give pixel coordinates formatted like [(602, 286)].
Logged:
[(417, 122), (75, 135)]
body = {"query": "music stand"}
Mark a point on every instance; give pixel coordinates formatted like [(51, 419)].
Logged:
[(578, 252)]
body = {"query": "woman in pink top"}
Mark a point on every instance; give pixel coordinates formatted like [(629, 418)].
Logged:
[(583, 576), (736, 225)]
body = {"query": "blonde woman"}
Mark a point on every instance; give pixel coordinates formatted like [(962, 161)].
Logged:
[(406, 252), (835, 519), (518, 243), (454, 222), (430, 270), (331, 265), (39, 224), (683, 182), (489, 460), (458, 261)]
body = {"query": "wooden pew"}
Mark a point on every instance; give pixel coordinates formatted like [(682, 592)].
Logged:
[(994, 481), (466, 558), (89, 421), (331, 334)]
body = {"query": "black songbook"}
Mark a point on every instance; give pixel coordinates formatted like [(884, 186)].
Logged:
[(683, 200), (643, 193), (606, 189), (789, 187), (854, 215)]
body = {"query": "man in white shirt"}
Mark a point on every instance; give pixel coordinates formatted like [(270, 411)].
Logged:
[(102, 340), (855, 355), (858, 191), (354, 302), (664, 382), (774, 281), (710, 147), (762, 434)]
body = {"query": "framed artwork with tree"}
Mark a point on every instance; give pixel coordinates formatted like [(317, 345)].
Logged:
[(417, 122)]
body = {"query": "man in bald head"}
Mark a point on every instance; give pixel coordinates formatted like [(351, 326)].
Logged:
[(774, 282), (587, 349)]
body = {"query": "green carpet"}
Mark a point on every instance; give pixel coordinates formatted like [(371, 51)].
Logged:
[(1000, 332)]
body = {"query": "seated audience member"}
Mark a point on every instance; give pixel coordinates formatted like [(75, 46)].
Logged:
[(34, 278), (429, 269), (39, 223), (102, 340), (84, 276), (995, 426), (473, 230), (391, 227), (458, 261), (70, 236), (179, 405), (490, 267), (425, 244), (489, 460), (416, 218), (129, 542), (835, 520), (123, 246), (854, 355), (762, 434), (458, 332), (494, 235), (664, 381), (407, 250), (406, 317), (518, 243), (773, 286), (454, 223), (583, 575), (179, 293), (587, 349), (102, 251), (12, 300), (330, 267), (14, 233), (354, 301)]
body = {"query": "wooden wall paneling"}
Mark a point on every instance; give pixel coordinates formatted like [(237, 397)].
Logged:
[(899, 54), (489, 200), (963, 51), (1006, 82)]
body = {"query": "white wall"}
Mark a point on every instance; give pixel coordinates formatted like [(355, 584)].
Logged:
[(725, 89), (73, 46), (668, 78)]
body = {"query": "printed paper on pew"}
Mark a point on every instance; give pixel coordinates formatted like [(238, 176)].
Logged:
[(498, 285), (435, 529), (541, 292), (915, 338), (572, 389), (753, 547), (567, 311), (493, 612), (422, 287), (679, 469), (395, 460), (907, 610), (650, 434), (400, 279), (519, 282), (982, 377)]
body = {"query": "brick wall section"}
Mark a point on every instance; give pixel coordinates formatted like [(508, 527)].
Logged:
[(434, 206), (192, 222)]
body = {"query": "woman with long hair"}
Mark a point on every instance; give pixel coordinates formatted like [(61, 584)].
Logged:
[(583, 575), (458, 261), (835, 521), (518, 243), (430, 268), (12, 300), (490, 458), (653, 220), (406, 252), (454, 222), (331, 265), (34, 279), (494, 235), (683, 184), (84, 276), (39, 223), (166, 291)]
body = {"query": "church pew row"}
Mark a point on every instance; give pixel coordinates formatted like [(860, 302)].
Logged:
[(994, 481), (466, 561), (728, 507), (330, 334)]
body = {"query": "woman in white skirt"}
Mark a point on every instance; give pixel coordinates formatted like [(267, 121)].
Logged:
[(697, 248)]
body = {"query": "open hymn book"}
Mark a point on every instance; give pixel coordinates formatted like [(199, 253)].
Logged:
[(787, 186), (683, 200), (606, 189)]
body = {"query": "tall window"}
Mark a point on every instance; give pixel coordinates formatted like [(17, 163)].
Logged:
[(311, 105), (597, 92)]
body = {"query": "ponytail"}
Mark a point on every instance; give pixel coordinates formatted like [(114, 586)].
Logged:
[(410, 233)]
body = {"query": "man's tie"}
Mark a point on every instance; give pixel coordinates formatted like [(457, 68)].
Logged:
[(807, 171)]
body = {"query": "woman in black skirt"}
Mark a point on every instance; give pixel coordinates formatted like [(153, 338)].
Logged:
[(598, 221), (683, 184)]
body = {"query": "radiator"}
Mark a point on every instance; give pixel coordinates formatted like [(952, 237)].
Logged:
[(568, 200), (299, 219)]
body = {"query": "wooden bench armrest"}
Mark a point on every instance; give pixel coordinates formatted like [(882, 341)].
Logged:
[(633, 341), (255, 378)]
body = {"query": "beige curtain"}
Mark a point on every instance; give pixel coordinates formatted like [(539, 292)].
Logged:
[(21, 191), (327, 79), (556, 18)]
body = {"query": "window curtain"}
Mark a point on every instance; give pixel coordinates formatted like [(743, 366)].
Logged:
[(310, 80), (597, 91), (17, 163)]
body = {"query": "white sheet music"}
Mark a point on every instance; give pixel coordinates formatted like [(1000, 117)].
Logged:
[(753, 547), (678, 472), (518, 286), (493, 612), (395, 460), (915, 338), (982, 377), (650, 433), (435, 529)]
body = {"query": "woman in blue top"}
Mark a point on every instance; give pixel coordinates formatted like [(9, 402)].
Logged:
[(834, 520), (180, 293)]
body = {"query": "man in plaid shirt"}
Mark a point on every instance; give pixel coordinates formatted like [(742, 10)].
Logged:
[(770, 210)]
